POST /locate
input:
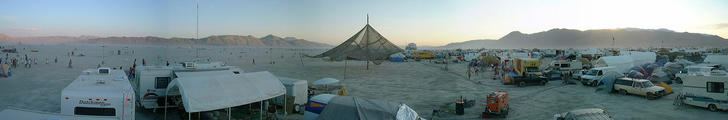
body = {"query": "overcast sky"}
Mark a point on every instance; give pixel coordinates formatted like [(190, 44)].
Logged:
[(425, 22)]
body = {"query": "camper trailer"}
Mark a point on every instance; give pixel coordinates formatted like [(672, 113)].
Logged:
[(566, 66), (706, 89), (151, 82), (296, 88), (102, 92)]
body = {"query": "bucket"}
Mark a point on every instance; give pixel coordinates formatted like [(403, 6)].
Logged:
[(459, 108)]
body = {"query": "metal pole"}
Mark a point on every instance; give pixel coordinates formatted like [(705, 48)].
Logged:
[(285, 104), (261, 110), (165, 105), (229, 113)]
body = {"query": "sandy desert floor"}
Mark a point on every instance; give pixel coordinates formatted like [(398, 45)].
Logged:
[(422, 85)]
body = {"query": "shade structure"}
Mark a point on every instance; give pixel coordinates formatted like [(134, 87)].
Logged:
[(212, 92), (365, 45)]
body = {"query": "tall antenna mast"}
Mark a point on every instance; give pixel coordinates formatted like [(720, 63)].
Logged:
[(197, 29)]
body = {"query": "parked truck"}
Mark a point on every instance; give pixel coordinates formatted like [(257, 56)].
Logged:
[(523, 66)]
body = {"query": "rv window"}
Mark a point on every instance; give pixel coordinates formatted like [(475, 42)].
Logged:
[(161, 82), (94, 111), (714, 87), (564, 65), (236, 72), (103, 71)]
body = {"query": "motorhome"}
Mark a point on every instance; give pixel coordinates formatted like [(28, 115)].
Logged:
[(706, 89), (151, 82), (101, 92), (566, 66)]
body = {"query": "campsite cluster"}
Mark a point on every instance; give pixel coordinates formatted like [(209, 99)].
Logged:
[(226, 82)]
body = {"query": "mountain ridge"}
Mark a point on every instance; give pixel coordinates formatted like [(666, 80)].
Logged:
[(597, 38), (219, 40)]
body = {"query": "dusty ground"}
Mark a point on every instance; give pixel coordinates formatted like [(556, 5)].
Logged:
[(421, 85)]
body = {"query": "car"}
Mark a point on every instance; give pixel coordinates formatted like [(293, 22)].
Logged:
[(592, 76), (638, 87), (577, 74), (530, 79), (584, 114)]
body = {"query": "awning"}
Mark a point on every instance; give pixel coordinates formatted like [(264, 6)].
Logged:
[(212, 92)]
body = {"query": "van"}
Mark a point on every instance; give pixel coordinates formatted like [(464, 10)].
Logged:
[(593, 75), (638, 87), (99, 93)]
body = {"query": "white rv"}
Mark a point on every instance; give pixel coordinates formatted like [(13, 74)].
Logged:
[(706, 90), (102, 92), (567, 65), (151, 82)]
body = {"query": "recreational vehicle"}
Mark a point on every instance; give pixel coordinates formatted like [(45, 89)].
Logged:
[(151, 82), (102, 92), (705, 89), (567, 66)]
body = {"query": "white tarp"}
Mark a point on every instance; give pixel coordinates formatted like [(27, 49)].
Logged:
[(717, 59), (621, 63), (325, 81), (397, 55), (212, 92)]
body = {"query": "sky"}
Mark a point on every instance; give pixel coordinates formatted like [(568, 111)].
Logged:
[(424, 22)]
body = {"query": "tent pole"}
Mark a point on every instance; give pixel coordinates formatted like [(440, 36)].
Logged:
[(229, 113), (345, 62), (261, 110), (189, 116), (285, 105), (165, 105)]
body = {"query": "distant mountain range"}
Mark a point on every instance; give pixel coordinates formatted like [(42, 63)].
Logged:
[(602, 38), (218, 40)]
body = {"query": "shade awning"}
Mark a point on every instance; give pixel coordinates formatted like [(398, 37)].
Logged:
[(212, 92)]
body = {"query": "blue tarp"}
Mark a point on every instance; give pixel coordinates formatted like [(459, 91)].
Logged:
[(396, 59), (608, 80)]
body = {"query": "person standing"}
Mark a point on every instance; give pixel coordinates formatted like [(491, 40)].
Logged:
[(469, 72)]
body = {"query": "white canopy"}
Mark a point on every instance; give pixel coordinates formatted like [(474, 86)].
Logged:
[(325, 81), (212, 92)]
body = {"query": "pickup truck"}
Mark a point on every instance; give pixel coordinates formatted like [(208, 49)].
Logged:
[(530, 79)]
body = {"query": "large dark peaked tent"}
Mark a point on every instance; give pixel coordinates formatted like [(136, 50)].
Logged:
[(366, 45)]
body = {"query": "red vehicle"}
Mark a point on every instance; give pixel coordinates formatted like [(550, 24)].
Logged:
[(497, 105)]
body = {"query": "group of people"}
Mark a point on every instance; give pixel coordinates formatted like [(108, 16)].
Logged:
[(476, 66), (26, 60)]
